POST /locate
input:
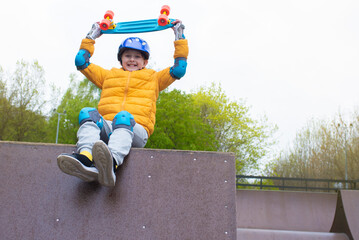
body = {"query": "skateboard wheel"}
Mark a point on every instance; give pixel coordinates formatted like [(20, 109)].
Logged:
[(105, 24), (109, 14), (163, 20), (165, 10)]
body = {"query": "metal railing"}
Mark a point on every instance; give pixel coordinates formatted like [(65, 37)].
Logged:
[(295, 184)]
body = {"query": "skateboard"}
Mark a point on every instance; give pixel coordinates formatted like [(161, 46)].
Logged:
[(108, 26)]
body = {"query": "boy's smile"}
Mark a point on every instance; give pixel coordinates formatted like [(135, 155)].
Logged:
[(133, 60)]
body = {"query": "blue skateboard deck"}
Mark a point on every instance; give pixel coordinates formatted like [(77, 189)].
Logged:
[(141, 26)]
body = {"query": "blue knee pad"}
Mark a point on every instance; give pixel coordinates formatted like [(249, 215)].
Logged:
[(123, 119), (91, 114)]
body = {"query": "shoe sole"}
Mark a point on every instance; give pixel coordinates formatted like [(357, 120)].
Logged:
[(104, 163), (74, 167)]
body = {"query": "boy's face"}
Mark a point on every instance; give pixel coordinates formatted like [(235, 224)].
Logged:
[(133, 60)]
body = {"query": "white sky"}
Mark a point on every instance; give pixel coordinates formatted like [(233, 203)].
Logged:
[(292, 60)]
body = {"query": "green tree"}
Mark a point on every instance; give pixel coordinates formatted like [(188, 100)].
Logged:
[(235, 129), (179, 124), (22, 103), (80, 94), (209, 120), (5, 107)]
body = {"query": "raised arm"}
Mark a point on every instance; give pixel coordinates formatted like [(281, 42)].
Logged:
[(82, 61), (178, 70)]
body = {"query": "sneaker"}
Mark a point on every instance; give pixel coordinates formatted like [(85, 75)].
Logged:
[(104, 163), (77, 165)]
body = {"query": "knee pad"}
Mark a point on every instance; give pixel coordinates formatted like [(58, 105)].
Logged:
[(91, 114), (82, 59), (179, 68), (123, 119)]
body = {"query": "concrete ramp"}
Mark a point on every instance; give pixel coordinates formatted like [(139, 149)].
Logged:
[(347, 214), (159, 195), (280, 215), (281, 210)]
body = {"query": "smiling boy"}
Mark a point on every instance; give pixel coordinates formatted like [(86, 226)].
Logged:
[(133, 60), (126, 111)]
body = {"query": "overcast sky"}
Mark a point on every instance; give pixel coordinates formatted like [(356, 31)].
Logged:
[(290, 60)]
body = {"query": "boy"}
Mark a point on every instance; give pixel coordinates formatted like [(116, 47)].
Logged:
[(127, 109)]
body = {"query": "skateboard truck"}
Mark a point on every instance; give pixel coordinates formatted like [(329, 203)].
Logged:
[(108, 26), (163, 18), (107, 22)]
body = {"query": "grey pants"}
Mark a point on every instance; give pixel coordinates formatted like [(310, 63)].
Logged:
[(120, 142)]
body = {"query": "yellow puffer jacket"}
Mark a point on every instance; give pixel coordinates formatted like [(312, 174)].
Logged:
[(135, 92)]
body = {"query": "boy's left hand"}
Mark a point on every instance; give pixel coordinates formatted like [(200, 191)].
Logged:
[(178, 29)]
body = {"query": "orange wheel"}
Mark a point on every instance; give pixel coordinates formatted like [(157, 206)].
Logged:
[(109, 14), (163, 20), (105, 24), (165, 10)]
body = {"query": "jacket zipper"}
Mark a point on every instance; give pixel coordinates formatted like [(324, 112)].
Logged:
[(126, 91)]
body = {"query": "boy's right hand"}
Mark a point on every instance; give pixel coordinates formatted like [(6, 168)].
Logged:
[(95, 31), (178, 29)]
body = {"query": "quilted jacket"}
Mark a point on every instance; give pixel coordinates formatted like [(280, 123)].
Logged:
[(135, 92)]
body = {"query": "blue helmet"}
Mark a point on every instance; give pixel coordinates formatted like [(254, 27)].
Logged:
[(134, 43)]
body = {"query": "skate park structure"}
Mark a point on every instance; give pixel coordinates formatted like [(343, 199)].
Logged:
[(159, 194)]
